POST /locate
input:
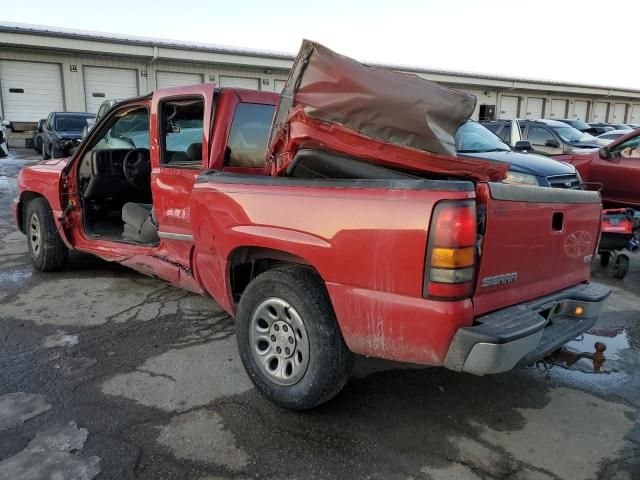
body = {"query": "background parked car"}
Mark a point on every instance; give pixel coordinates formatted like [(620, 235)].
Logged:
[(547, 137), (104, 108), (579, 125), (475, 141), (615, 126), (62, 131), (608, 137), (635, 126), (37, 135), (600, 128), (4, 145)]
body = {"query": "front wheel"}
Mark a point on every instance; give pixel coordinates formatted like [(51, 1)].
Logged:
[(289, 339), (46, 249), (45, 155)]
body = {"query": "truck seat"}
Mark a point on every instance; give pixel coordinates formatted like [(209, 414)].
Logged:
[(139, 223)]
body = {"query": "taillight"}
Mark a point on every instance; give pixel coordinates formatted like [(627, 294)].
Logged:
[(451, 251)]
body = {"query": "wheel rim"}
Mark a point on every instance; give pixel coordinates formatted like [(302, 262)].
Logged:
[(35, 234), (279, 341)]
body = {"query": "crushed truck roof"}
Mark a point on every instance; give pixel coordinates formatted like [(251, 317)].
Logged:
[(384, 106)]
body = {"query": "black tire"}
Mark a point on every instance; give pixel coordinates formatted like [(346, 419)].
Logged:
[(46, 249), (56, 152), (621, 266), (604, 258), (45, 155), (329, 361)]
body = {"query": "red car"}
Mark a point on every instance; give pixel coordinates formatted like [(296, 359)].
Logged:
[(616, 167), (362, 233)]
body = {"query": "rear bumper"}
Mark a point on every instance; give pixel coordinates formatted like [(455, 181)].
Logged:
[(523, 334)]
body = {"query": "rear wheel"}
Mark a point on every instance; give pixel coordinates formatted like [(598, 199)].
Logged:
[(46, 249), (621, 266), (289, 339)]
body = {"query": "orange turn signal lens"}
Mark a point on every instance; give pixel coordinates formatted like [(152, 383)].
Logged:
[(453, 257), (578, 311)]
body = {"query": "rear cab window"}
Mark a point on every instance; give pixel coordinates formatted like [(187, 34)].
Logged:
[(249, 134)]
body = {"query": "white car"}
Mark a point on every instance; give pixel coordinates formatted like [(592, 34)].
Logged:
[(4, 142), (607, 137)]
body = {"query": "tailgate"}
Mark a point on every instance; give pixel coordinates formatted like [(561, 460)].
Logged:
[(536, 241)]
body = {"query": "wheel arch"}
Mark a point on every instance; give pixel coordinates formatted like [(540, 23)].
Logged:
[(26, 198), (247, 262)]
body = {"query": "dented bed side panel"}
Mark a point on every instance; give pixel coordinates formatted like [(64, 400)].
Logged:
[(368, 245)]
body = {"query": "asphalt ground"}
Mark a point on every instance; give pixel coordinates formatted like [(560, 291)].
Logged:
[(108, 374)]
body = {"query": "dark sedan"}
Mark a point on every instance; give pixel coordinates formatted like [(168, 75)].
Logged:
[(62, 131)]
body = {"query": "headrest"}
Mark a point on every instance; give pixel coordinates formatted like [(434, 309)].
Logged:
[(194, 151)]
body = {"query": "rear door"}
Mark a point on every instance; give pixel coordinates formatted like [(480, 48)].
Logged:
[(536, 241), (180, 139)]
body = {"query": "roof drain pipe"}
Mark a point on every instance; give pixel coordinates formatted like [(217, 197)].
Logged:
[(152, 61)]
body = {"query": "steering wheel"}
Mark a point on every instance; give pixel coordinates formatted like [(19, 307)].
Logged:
[(136, 168)]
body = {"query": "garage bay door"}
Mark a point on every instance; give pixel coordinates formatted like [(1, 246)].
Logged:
[(30, 90), (635, 114), (240, 82), (509, 107), (558, 109), (619, 113), (534, 108), (580, 110), (279, 85), (102, 83), (600, 112), (176, 79)]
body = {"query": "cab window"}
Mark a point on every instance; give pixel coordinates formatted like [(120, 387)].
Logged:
[(247, 143), (181, 130), (628, 149)]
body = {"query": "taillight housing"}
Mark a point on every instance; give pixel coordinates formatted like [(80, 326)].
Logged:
[(451, 251)]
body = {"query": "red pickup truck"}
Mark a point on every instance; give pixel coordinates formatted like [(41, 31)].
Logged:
[(358, 231), (616, 167)]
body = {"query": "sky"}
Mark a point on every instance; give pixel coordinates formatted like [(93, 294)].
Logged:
[(584, 41)]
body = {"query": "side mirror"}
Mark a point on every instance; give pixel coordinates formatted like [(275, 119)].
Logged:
[(522, 145), (605, 152), (552, 142)]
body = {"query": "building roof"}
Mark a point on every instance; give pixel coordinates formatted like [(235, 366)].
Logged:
[(24, 28)]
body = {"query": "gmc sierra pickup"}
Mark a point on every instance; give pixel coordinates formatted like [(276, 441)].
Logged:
[(342, 223)]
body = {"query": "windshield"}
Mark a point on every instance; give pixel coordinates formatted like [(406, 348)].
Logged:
[(472, 137), (68, 123), (570, 134), (580, 125)]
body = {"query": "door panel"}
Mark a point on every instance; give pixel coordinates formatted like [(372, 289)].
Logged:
[(619, 113), (183, 136), (558, 108), (509, 107), (534, 108), (102, 83), (580, 110), (600, 111), (30, 90)]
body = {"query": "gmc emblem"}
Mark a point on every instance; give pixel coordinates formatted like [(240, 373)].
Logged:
[(499, 279)]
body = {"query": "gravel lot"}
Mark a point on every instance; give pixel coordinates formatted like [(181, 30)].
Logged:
[(107, 374)]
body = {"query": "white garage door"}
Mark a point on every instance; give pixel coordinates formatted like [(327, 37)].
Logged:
[(635, 114), (102, 83), (534, 108), (30, 90), (580, 110), (619, 113), (176, 79), (558, 109), (240, 82), (508, 107), (279, 85), (600, 112)]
